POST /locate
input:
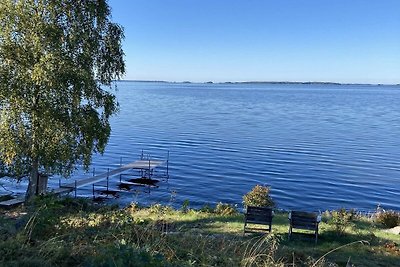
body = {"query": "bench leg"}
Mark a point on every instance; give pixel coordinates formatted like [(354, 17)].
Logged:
[(290, 232)]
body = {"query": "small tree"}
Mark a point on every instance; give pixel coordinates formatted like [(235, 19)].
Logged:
[(259, 197), (341, 220), (55, 56)]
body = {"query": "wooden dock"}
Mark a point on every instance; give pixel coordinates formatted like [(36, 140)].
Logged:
[(147, 165), (12, 202)]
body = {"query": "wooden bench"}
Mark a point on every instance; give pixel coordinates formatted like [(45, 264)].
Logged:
[(305, 221), (258, 216)]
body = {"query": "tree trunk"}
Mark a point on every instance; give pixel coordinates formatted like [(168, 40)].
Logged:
[(42, 184), (33, 180), (32, 189)]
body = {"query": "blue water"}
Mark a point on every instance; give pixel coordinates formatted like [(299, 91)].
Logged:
[(317, 146)]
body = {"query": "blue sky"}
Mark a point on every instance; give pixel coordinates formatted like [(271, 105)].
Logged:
[(352, 41)]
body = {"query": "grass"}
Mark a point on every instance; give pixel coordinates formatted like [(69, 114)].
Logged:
[(75, 232)]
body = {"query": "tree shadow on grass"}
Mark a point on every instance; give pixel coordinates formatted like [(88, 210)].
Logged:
[(212, 225), (366, 225), (363, 249)]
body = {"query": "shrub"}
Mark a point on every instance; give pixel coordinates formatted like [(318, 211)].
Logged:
[(225, 209), (133, 207), (341, 220), (259, 197), (388, 219), (206, 209), (185, 206), (159, 209)]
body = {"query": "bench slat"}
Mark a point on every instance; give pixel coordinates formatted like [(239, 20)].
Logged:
[(304, 215), (305, 221), (260, 216), (255, 230), (258, 222)]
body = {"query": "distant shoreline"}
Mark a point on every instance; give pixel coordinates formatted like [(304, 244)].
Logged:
[(261, 82)]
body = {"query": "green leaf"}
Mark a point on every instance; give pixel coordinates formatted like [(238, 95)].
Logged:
[(57, 58)]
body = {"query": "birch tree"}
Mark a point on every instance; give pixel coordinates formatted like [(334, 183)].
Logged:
[(58, 59)]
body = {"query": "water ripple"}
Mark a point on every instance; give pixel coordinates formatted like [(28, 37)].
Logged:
[(319, 147)]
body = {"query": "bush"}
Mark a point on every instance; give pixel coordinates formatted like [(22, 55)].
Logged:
[(259, 197), (185, 206), (388, 219), (341, 220), (225, 209), (206, 209), (160, 209)]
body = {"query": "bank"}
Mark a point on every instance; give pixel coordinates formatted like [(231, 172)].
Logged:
[(75, 232)]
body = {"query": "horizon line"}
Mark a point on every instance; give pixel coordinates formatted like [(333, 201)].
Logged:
[(265, 82)]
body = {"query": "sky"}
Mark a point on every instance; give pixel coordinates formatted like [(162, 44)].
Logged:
[(348, 41)]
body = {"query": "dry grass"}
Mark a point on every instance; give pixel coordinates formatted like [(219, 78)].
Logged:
[(68, 232)]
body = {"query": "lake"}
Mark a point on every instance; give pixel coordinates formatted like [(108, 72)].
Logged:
[(319, 146)]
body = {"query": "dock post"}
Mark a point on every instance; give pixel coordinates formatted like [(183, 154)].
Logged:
[(108, 175), (120, 178), (149, 167), (75, 188), (93, 191)]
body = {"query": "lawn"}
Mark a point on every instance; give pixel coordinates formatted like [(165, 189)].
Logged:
[(76, 232)]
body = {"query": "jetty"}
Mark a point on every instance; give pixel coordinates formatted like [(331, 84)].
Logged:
[(145, 166)]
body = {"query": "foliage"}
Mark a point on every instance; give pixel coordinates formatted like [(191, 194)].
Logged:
[(185, 205), (206, 209), (160, 209), (3, 170), (225, 209), (388, 218), (55, 58), (259, 197), (341, 220)]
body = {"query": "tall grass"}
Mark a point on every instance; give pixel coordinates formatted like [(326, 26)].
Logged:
[(68, 232)]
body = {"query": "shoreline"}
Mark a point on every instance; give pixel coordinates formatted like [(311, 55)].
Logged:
[(114, 200), (102, 199), (262, 82)]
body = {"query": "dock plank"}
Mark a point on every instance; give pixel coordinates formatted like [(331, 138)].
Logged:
[(139, 164), (12, 202)]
